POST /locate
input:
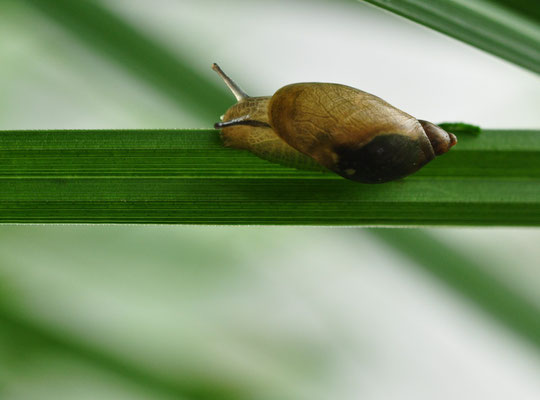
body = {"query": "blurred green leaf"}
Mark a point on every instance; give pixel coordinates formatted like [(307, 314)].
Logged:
[(523, 7), (483, 24), (144, 58), (468, 277), (27, 336), (187, 176)]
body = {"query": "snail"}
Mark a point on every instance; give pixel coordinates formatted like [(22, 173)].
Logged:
[(328, 126)]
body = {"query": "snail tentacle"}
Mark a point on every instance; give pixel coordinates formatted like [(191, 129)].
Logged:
[(237, 91)]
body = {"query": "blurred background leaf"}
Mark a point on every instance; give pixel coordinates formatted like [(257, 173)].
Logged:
[(469, 277), (502, 28), (137, 54)]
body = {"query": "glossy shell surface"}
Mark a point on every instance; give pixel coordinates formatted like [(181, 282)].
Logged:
[(353, 133)]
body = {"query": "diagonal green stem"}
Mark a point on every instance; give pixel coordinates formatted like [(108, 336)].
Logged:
[(188, 177), (139, 55), (28, 337), (468, 278), (481, 23)]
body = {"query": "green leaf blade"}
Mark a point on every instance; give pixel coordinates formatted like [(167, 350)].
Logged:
[(483, 24), (188, 177)]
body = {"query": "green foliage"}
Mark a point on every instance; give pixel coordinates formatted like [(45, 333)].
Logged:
[(27, 337), (139, 55), (484, 24), (188, 177), (468, 277)]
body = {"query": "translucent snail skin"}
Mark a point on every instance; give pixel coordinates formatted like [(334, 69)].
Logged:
[(328, 126)]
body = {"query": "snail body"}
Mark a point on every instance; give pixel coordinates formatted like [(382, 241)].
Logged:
[(335, 127)]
